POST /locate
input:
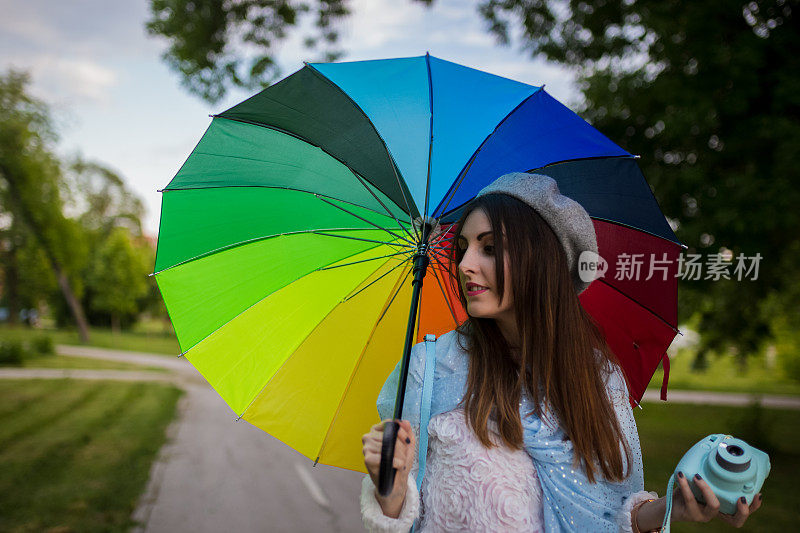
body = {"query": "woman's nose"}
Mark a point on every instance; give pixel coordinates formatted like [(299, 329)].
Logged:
[(467, 263)]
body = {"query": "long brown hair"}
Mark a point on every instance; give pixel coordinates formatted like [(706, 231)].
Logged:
[(563, 354)]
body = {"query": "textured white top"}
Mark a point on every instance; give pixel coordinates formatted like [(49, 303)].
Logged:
[(468, 487)]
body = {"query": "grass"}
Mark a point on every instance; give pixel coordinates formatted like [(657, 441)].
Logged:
[(141, 340), (725, 375), (84, 363), (75, 455), (668, 431)]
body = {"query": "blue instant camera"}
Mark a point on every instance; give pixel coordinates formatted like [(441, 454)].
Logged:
[(731, 467)]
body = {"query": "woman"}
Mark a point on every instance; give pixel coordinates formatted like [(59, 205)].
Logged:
[(531, 428)]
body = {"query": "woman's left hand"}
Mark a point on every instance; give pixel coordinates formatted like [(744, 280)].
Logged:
[(686, 508)]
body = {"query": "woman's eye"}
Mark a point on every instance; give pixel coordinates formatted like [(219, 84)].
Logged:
[(489, 249)]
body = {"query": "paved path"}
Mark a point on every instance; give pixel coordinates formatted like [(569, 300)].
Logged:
[(724, 398), (169, 362), (215, 474)]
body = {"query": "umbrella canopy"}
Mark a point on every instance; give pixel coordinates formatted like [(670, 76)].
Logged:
[(287, 238)]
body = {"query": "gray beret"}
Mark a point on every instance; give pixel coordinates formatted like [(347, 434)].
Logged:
[(566, 217)]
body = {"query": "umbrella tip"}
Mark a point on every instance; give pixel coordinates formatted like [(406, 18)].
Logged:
[(316, 461)]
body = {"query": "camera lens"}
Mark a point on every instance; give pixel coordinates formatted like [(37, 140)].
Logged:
[(733, 465), (735, 450)]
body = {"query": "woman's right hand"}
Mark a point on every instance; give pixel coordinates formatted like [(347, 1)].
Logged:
[(403, 460)]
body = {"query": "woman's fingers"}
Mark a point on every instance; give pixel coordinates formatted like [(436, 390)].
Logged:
[(711, 508), (691, 506), (404, 445), (697, 512), (743, 511)]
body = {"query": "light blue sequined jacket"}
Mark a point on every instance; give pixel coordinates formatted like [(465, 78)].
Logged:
[(571, 502)]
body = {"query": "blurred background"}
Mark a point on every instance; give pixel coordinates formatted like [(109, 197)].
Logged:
[(101, 102)]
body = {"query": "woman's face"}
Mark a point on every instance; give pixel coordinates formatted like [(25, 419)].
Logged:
[(476, 271)]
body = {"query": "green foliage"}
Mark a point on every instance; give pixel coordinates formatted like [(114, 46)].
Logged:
[(101, 199), (45, 254), (708, 93), (11, 352), (118, 276), (218, 45), (31, 200), (15, 350), (43, 345)]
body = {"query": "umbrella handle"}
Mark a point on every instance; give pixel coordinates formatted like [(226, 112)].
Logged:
[(387, 471)]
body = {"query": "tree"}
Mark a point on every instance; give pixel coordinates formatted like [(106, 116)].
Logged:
[(217, 45), (120, 274), (102, 205), (707, 94), (31, 179), (101, 201)]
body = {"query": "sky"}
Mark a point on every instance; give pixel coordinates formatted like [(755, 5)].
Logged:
[(116, 102)]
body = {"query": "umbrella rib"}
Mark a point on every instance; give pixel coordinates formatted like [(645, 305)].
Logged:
[(260, 300), (285, 189), (397, 177), (396, 290), (319, 232), (288, 358), (365, 220), (364, 260), (444, 294), (439, 253), (255, 239), (451, 194), (380, 202), (607, 284), (351, 296), (383, 313), (430, 138), (369, 121), (280, 130), (617, 223), (443, 233)]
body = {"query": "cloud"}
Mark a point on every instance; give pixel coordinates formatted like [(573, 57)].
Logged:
[(101, 29), (378, 23), (67, 80)]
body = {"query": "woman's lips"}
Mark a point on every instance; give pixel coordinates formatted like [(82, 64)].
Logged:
[(474, 288)]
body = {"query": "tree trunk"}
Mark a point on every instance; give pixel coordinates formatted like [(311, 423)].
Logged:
[(11, 282), (72, 302), (114, 323), (38, 232)]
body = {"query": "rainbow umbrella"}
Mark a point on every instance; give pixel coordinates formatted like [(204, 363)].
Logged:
[(295, 238)]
